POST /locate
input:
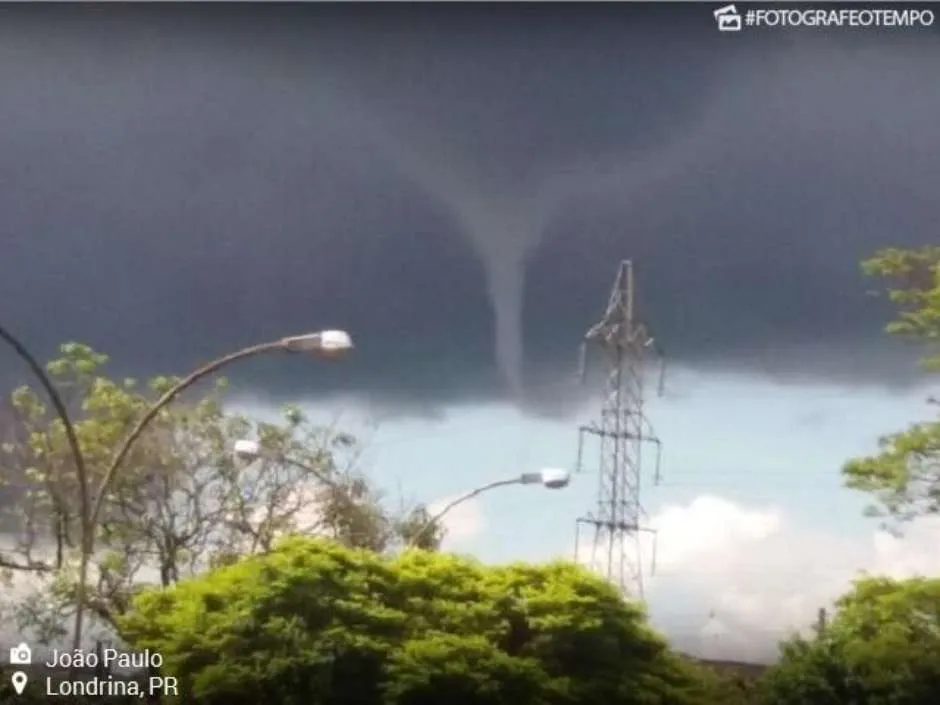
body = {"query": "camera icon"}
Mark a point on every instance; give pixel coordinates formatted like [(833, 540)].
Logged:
[(21, 655), (728, 19)]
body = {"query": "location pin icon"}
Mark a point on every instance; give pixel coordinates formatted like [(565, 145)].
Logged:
[(19, 681)]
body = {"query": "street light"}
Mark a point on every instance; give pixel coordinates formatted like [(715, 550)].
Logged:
[(247, 450), (329, 344), (326, 343), (550, 478)]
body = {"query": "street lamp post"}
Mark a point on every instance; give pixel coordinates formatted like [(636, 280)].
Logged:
[(330, 344), (550, 478)]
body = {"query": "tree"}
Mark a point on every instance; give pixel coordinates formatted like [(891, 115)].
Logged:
[(417, 528), (182, 502), (882, 648), (313, 621), (904, 475), (705, 685), (912, 280), (811, 672)]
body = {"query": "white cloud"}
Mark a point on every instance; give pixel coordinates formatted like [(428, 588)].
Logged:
[(463, 523), (732, 580)]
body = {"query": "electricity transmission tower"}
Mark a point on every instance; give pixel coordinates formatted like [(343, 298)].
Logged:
[(621, 433)]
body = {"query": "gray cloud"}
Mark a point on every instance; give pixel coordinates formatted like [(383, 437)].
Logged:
[(175, 182)]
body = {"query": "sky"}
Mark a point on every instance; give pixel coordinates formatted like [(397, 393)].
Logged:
[(455, 186)]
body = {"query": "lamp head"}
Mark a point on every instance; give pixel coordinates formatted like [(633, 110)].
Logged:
[(551, 478), (555, 479), (325, 343), (246, 449)]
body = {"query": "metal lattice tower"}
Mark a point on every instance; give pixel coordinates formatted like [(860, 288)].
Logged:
[(622, 432)]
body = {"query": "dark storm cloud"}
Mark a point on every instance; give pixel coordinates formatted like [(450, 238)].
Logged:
[(179, 181), (748, 251)]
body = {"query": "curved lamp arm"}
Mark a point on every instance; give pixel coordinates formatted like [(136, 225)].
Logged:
[(162, 402), (327, 343), (61, 412), (436, 519)]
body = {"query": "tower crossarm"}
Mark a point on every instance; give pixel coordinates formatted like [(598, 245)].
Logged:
[(625, 435)]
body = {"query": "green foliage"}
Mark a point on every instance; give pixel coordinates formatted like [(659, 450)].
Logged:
[(418, 529), (812, 672), (703, 685), (312, 621), (281, 626), (890, 631), (904, 475), (883, 648), (913, 285), (467, 669)]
